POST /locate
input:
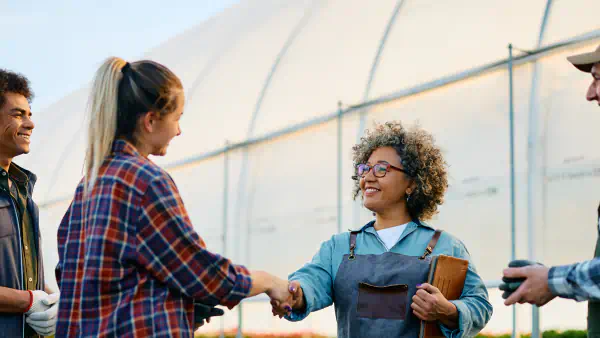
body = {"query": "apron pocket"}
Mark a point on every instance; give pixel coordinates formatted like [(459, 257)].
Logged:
[(382, 301)]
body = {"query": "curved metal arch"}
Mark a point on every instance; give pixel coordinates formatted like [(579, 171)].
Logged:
[(532, 137), (376, 61), (217, 55), (243, 176), (532, 147), (487, 68), (363, 113), (288, 43)]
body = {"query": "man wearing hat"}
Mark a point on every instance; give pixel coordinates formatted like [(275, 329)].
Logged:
[(579, 281)]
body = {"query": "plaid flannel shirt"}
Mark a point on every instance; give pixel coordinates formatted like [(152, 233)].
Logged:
[(580, 281), (130, 262)]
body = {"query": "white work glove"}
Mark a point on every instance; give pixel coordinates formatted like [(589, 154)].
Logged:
[(44, 323), (37, 305)]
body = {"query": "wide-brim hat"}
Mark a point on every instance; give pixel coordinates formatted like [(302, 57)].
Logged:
[(584, 62)]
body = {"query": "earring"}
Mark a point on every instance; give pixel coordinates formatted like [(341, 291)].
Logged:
[(407, 197)]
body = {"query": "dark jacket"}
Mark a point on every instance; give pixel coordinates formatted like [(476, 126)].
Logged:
[(11, 256)]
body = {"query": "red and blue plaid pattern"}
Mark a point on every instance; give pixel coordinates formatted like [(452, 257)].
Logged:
[(130, 262)]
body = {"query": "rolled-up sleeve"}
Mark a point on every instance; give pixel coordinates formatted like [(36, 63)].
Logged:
[(316, 281), (169, 247), (474, 308)]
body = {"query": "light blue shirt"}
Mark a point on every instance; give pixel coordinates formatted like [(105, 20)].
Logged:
[(317, 277)]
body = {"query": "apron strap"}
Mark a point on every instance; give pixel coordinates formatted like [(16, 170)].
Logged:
[(353, 235), (432, 243)]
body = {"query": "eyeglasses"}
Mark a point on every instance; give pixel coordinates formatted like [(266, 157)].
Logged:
[(379, 169)]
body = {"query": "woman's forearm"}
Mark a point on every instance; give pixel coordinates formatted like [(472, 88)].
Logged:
[(276, 288), (262, 282)]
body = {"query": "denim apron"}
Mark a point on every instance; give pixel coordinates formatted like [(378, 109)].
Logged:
[(372, 293)]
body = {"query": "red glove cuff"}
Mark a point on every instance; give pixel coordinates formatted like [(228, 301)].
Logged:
[(30, 301)]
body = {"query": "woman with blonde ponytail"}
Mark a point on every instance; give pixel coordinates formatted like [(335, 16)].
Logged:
[(130, 262)]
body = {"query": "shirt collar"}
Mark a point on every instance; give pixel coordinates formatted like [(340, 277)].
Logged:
[(17, 174), (20, 175), (123, 147), (369, 227)]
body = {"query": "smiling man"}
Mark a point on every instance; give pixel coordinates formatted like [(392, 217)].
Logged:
[(22, 299)]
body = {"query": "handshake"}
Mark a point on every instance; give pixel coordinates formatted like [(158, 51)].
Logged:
[(41, 315), (293, 299), (284, 296)]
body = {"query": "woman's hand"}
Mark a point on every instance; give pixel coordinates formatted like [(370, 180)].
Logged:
[(295, 301), (263, 282), (278, 290), (430, 305)]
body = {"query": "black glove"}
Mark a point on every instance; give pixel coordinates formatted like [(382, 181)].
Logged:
[(510, 285), (202, 312)]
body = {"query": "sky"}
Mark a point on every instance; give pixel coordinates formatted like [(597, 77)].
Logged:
[(59, 44)]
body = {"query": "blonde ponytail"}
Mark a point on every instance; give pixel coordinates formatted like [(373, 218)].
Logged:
[(102, 118)]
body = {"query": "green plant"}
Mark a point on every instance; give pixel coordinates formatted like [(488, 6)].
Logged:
[(233, 334), (545, 334)]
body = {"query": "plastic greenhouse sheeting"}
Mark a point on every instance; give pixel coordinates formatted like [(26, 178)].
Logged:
[(263, 66)]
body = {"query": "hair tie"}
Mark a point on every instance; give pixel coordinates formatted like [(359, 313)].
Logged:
[(126, 68)]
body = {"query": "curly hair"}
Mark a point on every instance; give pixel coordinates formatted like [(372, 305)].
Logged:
[(420, 157), (11, 82)]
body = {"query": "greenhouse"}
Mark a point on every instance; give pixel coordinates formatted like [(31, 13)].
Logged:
[(278, 92)]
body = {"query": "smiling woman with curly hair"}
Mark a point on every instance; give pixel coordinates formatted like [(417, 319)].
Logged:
[(376, 277), (421, 160)]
